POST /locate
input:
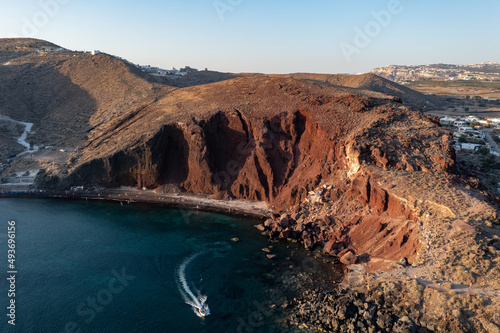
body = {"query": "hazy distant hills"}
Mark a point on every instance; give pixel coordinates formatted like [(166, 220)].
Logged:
[(487, 71)]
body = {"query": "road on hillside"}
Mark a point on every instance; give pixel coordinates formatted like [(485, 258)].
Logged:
[(492, 142)]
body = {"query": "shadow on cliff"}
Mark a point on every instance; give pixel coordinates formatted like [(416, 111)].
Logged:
[(229, 143)]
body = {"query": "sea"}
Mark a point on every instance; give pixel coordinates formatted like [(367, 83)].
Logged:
[(104, 267)]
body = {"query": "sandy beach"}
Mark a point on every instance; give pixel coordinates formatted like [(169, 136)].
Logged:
[(130, 195)]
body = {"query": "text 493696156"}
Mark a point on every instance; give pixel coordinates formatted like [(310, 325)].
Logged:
[(11, 273)]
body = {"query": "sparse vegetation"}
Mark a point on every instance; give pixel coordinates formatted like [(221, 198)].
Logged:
[(483, 151)]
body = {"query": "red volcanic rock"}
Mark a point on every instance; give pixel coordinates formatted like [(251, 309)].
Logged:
[(260, 138), (309, 243), (379, 158), (349, 258), (378, 199), (329, 247), (275, 140), (287, 233), (284, 223)]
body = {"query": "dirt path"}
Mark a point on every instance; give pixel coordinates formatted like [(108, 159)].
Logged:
[(22, 139)]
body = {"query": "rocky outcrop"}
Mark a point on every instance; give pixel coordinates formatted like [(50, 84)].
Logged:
[(358, 221)]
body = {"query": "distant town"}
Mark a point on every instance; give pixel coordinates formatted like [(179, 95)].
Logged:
[(156, 71), (486, 71)]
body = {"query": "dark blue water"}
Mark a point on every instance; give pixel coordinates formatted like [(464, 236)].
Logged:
[(102, 267)]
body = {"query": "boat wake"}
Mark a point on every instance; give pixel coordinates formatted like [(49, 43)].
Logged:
[(198, 302)]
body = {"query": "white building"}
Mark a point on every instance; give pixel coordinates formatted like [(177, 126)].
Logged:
[(447, 120), (470, 146), (471, 119)]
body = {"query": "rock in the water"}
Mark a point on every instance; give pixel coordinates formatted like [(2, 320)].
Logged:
[(260, 227), (308, 243), (268, 223)]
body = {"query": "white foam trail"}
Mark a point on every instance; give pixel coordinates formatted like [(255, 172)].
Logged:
[(186, 292)]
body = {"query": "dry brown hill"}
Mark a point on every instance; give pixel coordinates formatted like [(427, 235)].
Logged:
[(372, 83), (369, 83), (67, 94), (196, 78)]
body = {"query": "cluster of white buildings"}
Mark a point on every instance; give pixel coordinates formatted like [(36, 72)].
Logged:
[(50, 49), (160, 71), (485, 71), (471, 127), (467, 121)]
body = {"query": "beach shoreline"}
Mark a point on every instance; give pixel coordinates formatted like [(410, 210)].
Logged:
[(191, 201)]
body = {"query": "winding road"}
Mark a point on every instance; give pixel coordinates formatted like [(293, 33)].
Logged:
[(22, 139), (492, 142)]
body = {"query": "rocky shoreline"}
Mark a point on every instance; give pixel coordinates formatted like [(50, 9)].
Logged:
[(391, 301), (444, 286), (404, 305)]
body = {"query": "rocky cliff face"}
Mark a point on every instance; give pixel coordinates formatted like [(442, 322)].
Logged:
[(278, 149), (344, 167), (276, 140)]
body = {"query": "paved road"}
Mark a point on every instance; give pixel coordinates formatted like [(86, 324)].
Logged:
[(492, 142)]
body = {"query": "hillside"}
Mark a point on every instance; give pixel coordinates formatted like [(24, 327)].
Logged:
[(368, 83), (372, 83), (67, 94)]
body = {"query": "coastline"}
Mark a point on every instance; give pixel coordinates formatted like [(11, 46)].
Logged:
[(128, 195), (398, 300)]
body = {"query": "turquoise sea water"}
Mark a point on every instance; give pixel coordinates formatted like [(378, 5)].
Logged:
[(101, 267)]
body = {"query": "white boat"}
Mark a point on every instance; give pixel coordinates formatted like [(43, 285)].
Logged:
[(204, 310), (199, 302)]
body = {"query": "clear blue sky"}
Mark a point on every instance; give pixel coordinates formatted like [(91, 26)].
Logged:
[(265, 36)]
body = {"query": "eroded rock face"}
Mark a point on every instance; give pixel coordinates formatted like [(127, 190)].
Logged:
[(275, 140), (356, 220), (277, 157)]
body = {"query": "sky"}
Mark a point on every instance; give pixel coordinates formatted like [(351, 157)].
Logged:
[(321, 36)]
